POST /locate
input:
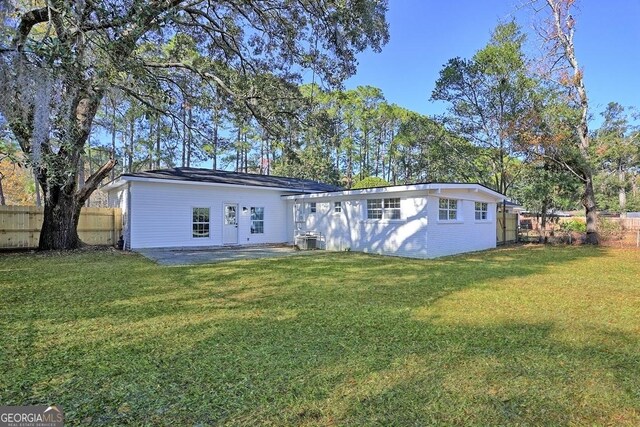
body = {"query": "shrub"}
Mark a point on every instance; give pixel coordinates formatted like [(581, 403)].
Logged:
[(574, 225), (370, 182)]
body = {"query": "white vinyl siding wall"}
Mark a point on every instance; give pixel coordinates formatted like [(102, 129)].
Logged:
[(351, 229), (161, 214), (465, 234), (418, 233)]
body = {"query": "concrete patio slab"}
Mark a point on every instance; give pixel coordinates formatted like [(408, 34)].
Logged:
[(190, 256)]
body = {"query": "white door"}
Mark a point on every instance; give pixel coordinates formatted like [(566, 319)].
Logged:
[(230, 224)]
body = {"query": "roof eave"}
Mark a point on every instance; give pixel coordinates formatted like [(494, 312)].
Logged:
[(398, 189), (214, 184), (114, 184)]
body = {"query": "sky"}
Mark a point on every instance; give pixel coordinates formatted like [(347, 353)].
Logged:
[(425, 34)]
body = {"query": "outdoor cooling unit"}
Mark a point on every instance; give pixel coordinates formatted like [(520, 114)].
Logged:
[(307, 241)]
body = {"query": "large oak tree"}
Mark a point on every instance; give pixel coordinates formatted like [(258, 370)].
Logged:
[(58, 58)]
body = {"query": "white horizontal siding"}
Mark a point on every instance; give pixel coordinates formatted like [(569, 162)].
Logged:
[(418, 234), (351, 230), (161, 214), (464, 235)]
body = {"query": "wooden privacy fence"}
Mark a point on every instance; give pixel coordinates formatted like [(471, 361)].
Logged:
[(20, 226), (511, 229)]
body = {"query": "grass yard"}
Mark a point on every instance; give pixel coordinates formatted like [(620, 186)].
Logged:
[(524, 336)]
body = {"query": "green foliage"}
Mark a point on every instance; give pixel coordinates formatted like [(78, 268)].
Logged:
[(493, 84), (573, 225), (544, 336), (543, 186), (310, 163), (617, 156), (370, 182), (186, 61)]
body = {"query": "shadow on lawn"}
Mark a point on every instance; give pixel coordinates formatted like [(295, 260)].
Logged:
[(316, 341)]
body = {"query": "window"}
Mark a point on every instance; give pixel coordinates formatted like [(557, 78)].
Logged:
[(448, 210), (374, 209), (383, 208), (200, 222), (337, 207), (312, 207), (481, 211), (257, 220), (391, 209)]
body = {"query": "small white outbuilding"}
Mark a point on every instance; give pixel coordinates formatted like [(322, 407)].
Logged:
[(190, 207)]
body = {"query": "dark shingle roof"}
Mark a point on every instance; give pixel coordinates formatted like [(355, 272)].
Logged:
[(235, 178)]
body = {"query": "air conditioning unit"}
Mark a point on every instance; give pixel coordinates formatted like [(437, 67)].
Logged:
[(307, 241)]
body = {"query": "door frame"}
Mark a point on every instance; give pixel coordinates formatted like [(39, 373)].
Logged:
[(224, 225)]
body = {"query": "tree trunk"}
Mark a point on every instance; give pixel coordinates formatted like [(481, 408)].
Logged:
[(622, 191), (2, 201), (62, 204), (60, 224), (543, 222), (589, 203), (564, 33), (81, 172)]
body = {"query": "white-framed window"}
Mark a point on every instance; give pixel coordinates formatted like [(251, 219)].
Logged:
[(448, 210), (383, 208), (391, 209), (482, 211), (200, 222), (337, 207), (312, 207), (374, 209), (257, 220)]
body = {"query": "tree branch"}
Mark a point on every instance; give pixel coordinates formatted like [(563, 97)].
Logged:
[(94, 180), (27, 22)]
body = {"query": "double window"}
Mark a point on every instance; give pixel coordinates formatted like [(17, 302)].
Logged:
[(200, 222), (257, 220), (482, 210), (383, 208), (448, 210)]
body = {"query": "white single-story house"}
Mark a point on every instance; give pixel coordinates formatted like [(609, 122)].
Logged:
[(190, 207)]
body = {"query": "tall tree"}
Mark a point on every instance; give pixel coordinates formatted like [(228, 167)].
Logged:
[(54, 76), (617, 146), (487, 94), (565, 68)]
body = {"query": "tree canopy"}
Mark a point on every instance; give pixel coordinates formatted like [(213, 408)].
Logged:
[(58, 60)]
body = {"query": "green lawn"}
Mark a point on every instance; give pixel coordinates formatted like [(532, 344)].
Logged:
[(526, 336)]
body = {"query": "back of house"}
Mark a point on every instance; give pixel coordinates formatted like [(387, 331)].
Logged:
[(191, 207)]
